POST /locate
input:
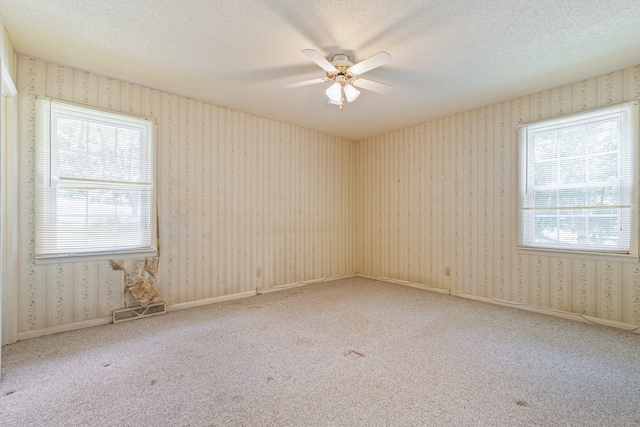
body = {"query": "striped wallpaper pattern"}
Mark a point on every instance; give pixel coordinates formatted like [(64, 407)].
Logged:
[(246, 202), (243, 201), (444, 194)]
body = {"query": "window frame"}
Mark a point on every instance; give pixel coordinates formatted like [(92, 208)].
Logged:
[(44, 141), (524, 165)]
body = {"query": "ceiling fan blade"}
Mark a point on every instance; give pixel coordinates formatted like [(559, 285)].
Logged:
[(370, 63), (372, 86), (305, 83), (320, 60)]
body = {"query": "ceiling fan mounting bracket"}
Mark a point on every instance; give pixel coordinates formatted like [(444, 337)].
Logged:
[(341, 60)]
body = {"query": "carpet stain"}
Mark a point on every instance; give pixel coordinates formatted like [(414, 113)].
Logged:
[(269, 379), (153, 382), (9, 393), (106, 365), (522, 403), (352, 354)]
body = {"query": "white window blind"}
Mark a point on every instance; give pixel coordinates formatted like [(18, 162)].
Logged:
[(577, 181), (95, 183)]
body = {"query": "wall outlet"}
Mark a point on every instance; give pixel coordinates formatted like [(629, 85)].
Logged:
[(447, 271)]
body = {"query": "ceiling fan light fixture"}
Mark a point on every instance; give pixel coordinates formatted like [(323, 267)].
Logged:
[(350, 92), (345, 76), (334, 93)]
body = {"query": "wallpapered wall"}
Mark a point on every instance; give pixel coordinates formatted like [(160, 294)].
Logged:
[(444, 194), (243, 201)]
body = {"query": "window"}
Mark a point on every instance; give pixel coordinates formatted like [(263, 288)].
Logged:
[(578, 179), (95, 192)]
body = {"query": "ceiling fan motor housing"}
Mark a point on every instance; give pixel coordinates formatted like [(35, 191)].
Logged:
[(341, 61), (342, 64)]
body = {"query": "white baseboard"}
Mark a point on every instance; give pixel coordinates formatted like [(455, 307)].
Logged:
[(405, 283), (181, 306), (207, 301), (106, 320), (258, 290), (551, 312), (64, 328), (612, 324), (304, 283), (557, 313), (527, 307)]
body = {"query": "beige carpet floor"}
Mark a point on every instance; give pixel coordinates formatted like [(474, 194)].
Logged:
[(353, 352)]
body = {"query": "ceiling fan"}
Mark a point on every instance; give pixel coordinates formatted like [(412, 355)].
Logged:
[(345, 75)]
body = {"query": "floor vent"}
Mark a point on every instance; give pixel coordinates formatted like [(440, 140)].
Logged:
[(132, 313)]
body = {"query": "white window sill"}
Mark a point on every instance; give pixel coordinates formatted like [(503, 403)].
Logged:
[(564, 253), (100, 256)]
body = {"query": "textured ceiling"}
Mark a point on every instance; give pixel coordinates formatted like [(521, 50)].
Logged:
[(448, 56)]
